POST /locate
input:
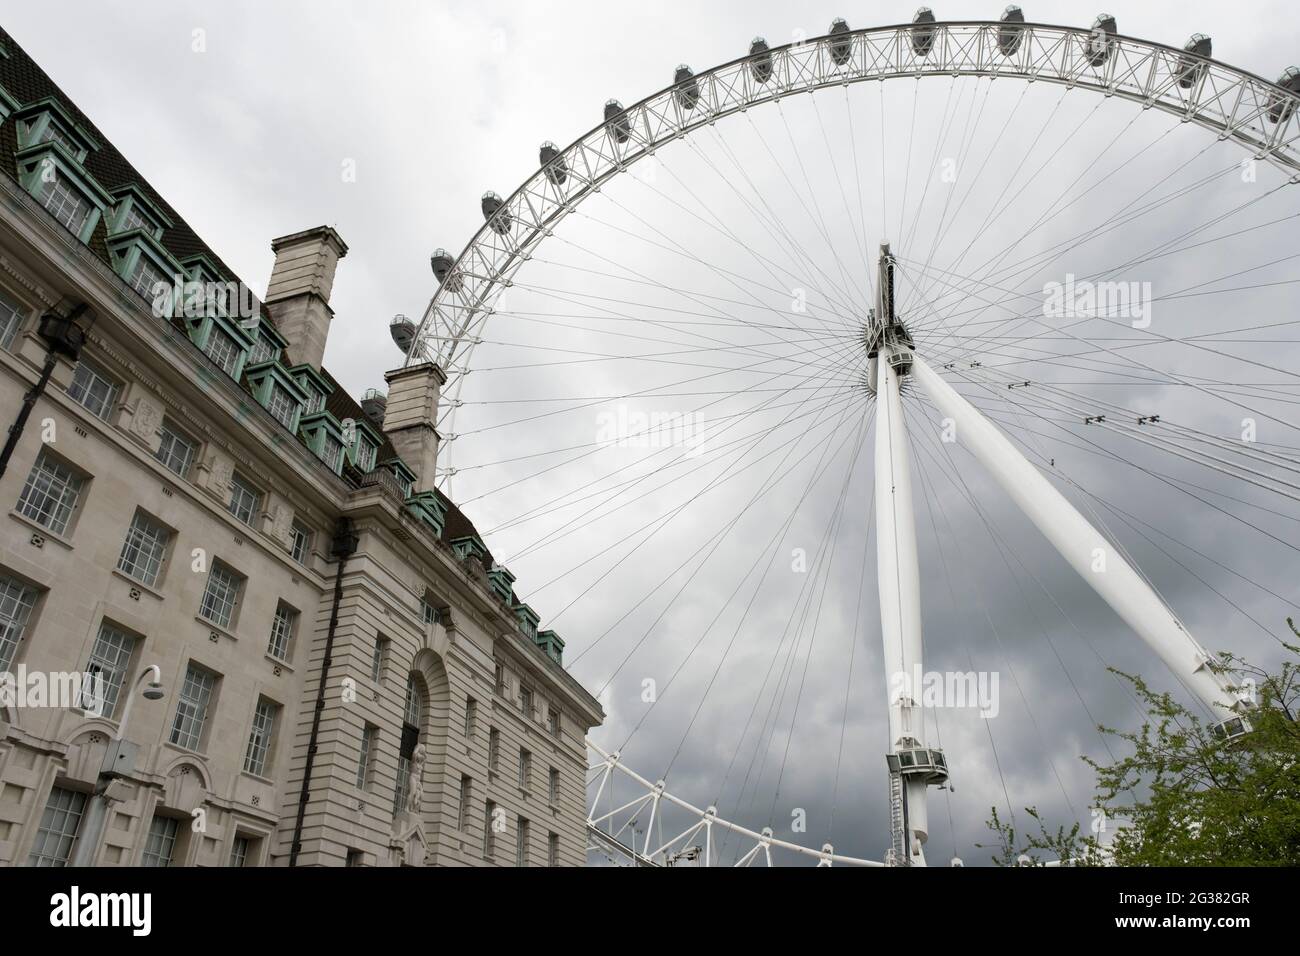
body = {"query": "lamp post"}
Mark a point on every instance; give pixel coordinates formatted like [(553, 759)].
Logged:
[(65, 329), (119, 760)]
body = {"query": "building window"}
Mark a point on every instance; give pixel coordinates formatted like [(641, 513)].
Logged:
[(52, 132), (332, 452), (175, 451), (135, 218), (143, 550), (494, 749), (239, 851), (282, 630), (16, 603), (355, 858), (499, 679), (369, 736), (526, 701), (192, 708), (223, 350), (413, 717), (429, 612), (145, 277), (379, 658), (221, 596), (365, 455), (282, 405), (50, 495), (259, 738), (552, 721), (553, 786), (300, 545), (315, 400), (161, 844), (64, 202), (521, 844), (462, 810), (58, 830), (489, 833), (93, 390), (245, 500), (11, 317), (471, 717), (552, 849), (525, 768), (263, 351), (110, 659)]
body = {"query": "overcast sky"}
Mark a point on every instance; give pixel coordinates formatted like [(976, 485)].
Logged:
[(769, 678)]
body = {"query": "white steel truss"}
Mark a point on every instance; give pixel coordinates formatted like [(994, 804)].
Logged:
[(1231, 103)]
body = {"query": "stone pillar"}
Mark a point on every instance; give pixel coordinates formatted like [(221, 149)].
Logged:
[(410, 416)]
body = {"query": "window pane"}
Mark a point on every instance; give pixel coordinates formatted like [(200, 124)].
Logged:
[(282, 628), (259, 739), (282, 405), (145, 277), (50, 495), (109, 660), (239, 851), (301, 543), (16, 603), (244, 500), (192, 708), (11, 316), (65, 203), (162, 842), (58, 829), (143, 550), (221, 348), (220, 596), (175, 451)]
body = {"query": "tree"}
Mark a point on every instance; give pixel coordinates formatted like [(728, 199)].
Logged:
[(1191, 798)]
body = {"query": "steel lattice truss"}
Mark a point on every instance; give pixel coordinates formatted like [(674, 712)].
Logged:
[(1231, 103), (616, 830)]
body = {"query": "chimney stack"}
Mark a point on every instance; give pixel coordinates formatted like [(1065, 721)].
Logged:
[(409, 417), (299, 290)]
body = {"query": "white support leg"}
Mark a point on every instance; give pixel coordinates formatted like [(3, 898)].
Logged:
[(899, 581), (1085, 548)]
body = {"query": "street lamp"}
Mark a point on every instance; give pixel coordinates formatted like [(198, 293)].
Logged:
[(119, 760), (65, 329)]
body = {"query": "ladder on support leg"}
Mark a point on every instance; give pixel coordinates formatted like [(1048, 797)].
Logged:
[(897, 854)]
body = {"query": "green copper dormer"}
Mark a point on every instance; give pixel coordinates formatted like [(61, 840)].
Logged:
[(502, 582), (552, 644), (324, 436), (362, 445), (59, 185), (318, 388), (528, 620), (277, 392), (134, 210), (470, 545), (429, 508), (46, 121), (221, 338), (269, 346), (149, 269), (404, 476), (8, 103)]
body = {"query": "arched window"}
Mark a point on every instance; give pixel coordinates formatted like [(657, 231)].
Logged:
[(412, 721)]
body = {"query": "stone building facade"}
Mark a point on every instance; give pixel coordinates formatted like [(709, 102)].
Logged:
[(347, 677)]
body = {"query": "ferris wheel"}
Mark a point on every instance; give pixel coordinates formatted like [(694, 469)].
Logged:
[(989, 287)]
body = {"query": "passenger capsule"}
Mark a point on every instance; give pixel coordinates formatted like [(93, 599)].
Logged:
[(841, 47), (1011, 30), (557, 170), (688, 88), (402, 330), (760, 60), (922, 35), (441, 263), (374, 404), (1190, 68), (494, 211), (1101, 40), (616, 121), (1281, 106)]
